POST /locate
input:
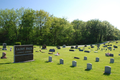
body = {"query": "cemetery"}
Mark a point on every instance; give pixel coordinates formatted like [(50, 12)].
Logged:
[(89, 62)]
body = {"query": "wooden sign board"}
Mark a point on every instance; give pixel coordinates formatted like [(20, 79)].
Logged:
[(23, 53)]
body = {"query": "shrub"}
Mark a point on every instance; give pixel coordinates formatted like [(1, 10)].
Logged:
[(17, 43)]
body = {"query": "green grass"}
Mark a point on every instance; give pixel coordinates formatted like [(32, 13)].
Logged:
[(40, 69)]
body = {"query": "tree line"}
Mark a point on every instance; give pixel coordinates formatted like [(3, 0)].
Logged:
[(38, 27)]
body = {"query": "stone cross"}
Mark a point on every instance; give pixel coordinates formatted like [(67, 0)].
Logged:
[(97, 59), (61, 61), (50, 59), (107, 69), (85, 58), (89, 66), (111, 60), (74, 63)]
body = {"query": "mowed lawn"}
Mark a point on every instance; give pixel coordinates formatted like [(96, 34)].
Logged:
[(41, 69)]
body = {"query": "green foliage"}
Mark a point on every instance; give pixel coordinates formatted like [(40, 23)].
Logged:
[(39, 27), (17, 43)]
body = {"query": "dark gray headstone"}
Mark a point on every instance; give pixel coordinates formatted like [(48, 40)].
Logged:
[(74, 63), (89, 66), (52, 50), (4, 46), (110, 48), (107, 69), (85, 58), (50, 59), (111, 60), (97, 59), (61, 61)]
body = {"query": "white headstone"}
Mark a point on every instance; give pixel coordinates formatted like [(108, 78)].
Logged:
[(74, 63), (97, 59), (85, 58), (89, 66), (111, 60), (50, 59), (95, 51), (107, 69), (61, 61)]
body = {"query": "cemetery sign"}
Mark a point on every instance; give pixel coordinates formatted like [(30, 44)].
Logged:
[(23, 53)]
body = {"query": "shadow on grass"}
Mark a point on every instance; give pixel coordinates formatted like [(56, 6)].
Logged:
[(6, 63), (46, 61), (107, 74), (59, 64), (87, 69), (72, 66)]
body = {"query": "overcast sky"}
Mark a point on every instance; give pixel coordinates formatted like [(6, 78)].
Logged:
[(84, 10)]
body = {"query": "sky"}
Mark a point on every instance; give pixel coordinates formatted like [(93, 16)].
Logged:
[(104, 10)]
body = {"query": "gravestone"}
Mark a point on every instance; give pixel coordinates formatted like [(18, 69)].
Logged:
[(76, 58), (98, 45), (111, 60), (4, 46), (91, 46), (110, 48), (85, 58), (23, 53), (85, 45), (74, 63), (83, 48), (71, 50), (44, 46), (89, 66), (58, 47), (72, 47), (80, 49), (50, 59), (112, 55), (61, 61), (50, 53), (107, 70), (101, 49), (105, 46), (87, 51), (95, 51), (97, 59), (76, 47), (115, 46), (3, 55), (64, 46), (52, 50)]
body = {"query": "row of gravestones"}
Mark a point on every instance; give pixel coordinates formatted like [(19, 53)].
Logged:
[(89, 65), (97, 59)]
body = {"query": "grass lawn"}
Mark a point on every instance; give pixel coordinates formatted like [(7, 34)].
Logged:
[(41, 69)]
